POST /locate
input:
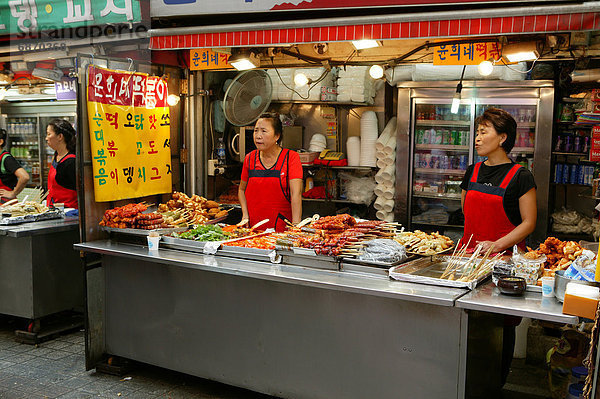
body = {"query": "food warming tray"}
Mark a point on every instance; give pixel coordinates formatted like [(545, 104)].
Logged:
[(366, 266), (428, 271), (38, 217), (181, 244), (142, 232), (308, 258)]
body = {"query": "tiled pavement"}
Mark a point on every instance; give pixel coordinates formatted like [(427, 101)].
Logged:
[(56, 369)]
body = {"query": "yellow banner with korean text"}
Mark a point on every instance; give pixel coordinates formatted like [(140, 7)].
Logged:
[(205, 58), (129, 123), (466, 53)]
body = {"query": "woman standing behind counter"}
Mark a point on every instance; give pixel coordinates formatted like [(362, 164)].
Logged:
[(498, 196), (13, 177), (271, 181), (62, 185)]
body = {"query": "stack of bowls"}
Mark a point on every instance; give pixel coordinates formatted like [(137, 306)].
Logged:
[(318, 143), (368, 138), (353, 150)]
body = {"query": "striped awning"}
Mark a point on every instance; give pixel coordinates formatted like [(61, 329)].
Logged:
[(404, 26)]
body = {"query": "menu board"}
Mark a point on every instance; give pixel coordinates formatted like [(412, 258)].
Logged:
[(129, 124)]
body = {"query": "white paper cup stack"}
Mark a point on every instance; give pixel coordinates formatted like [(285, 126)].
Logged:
[(368, 138), (318, 143), (353, 150)]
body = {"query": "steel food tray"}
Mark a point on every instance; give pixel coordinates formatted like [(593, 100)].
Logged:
[(245, 253), (385, 265), (142, 232), (429, 270), (38, 217), (181, 244), (308, 258)]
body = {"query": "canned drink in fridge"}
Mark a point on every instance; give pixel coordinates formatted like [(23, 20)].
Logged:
[(573, 174), (558, 171), (426, 161), (464, 137), (568, 143), (455, 162), (580, 174), (577, 144), (419, 136), (566, 173), (444, 162), (417, 160), (463, 162)]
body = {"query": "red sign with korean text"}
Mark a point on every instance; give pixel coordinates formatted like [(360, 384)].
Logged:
[(595, 150)]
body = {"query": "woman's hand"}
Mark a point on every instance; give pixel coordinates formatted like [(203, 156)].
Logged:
[(7, 194), (486, 245)]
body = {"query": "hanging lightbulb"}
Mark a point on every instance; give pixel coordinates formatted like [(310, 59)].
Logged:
[(172, 99), (485, 68), (300, 80), (3, 92), (376, 71), (455, 103)]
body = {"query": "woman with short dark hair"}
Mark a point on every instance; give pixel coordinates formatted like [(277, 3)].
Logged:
[(498, 196), (13, 177), (271, 183), (62, 183)]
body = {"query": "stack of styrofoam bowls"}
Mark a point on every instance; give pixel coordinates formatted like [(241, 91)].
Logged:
[(353, 150), (318, 143), (368, 138)]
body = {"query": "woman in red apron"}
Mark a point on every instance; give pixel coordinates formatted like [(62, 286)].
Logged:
[(498, 196), (62, 184), (271, 184), (13, 177)]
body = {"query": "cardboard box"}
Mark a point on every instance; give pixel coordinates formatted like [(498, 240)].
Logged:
[(292, 137)]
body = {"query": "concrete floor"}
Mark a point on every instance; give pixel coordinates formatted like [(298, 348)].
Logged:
[(56, 369)]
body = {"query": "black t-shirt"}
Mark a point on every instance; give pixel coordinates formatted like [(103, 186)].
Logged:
[(7, 173), (65, 173), (520, 184)]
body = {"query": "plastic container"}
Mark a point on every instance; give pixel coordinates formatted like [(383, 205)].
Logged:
[(579, 374), (548, 286), (529, 269), (575, 391), (153, 242)]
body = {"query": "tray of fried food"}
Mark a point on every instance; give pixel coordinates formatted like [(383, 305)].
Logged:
[(421, 243), (28, 211), (559, 254), (199, 209)]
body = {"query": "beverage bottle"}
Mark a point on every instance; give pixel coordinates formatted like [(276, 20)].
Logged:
[(221, 152)]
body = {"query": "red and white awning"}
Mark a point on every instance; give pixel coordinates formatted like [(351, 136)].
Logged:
[(403, 26)]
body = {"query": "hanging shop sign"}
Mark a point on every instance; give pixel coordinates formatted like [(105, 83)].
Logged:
[(163, 8), (465, 53), (129, 125), (595, 150), (205, 58), (66, 89), (26, 16)]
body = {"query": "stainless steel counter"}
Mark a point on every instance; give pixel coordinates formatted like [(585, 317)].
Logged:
[(342, 281), (37, 228), (488, 298)]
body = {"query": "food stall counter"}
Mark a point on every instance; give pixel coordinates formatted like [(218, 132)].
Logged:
[(487, 298), (350, 282), (37, 228)]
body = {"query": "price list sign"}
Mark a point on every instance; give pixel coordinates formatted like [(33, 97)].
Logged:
[(129, 125)]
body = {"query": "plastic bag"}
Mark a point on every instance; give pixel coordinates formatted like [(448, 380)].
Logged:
[(383, 250), (358, 189)]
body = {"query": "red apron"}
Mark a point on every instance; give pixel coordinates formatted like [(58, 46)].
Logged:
[(2, 185), (268, 192), (485, 217), (58, 194)]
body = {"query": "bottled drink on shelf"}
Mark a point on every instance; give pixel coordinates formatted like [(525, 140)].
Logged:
[(221, 152)]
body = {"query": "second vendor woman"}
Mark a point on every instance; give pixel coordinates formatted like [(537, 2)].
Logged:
[(498, 196), (62, 186), (271, 181)]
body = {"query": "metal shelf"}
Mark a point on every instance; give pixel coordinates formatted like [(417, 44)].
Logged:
[(426, 122), (317, 102), (575, 154), (454, 172), (522, 150), (332, 200), (441, 196), (525, 125), (361, 168), (447, 147)]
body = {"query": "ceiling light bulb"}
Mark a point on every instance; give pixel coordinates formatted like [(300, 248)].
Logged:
[(455, 103), (485, 68), (522, 56), (376, 71), (172, 100), (363, 44), (244, 61), (300, 80)]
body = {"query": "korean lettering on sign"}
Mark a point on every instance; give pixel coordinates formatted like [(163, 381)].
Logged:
[(24, 16), (205, 58), (465, 53), (595, 149), (129, 134)]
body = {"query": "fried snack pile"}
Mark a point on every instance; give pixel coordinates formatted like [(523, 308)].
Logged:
[(559, 254), (122, 217), (334, 224), (421, 243), (24, 208), (199, 209)]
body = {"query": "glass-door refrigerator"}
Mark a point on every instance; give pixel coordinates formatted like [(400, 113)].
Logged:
[(442, 150), (436, 147)]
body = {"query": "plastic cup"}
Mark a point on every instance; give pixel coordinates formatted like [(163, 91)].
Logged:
[(153, 243), (548, 286)]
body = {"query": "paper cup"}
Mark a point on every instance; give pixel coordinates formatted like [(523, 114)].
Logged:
[(153, 243), (548, 286)]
